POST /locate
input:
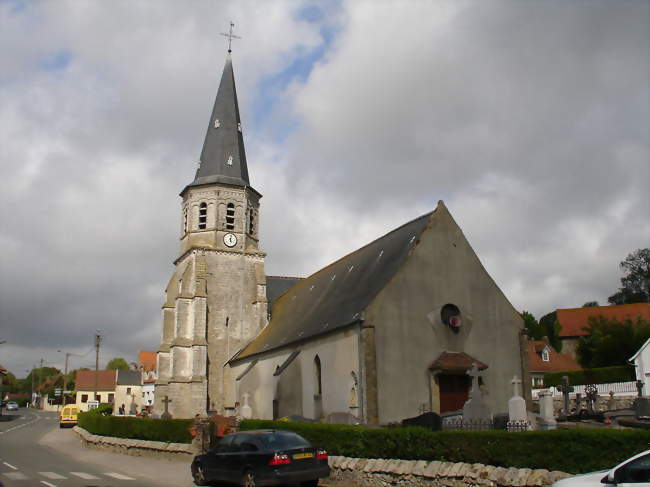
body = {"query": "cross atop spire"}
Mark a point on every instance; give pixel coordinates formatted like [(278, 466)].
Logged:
[(230, 36)]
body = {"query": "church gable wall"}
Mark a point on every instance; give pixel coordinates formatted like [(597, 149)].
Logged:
[(409, 332)]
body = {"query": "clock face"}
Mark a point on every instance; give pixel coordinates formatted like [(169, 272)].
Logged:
[(230, 240)]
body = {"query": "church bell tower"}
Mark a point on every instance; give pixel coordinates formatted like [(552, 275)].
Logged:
[(216, 299)]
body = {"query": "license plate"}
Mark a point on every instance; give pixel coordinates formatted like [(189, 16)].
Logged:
[(300, 456)]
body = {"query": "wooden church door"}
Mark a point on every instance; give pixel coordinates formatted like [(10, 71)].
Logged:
[(454, 392)]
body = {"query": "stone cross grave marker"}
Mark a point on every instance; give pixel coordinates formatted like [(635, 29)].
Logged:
[(166, 414), (475, 408), (565, 389)]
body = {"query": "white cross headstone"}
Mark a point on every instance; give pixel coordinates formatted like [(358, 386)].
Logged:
[(517, 404)]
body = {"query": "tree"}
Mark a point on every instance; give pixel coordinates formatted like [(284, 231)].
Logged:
[(635, 283), (610, 341), (117, 363), (551, 329), (533, 329), (590, 304)]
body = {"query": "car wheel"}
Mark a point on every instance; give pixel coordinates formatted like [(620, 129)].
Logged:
[(248, 480), (199, 475)]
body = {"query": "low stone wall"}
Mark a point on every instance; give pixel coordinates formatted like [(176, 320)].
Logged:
[(139, 448), (419, 473)]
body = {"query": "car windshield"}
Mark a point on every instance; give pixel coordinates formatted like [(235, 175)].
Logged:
[(283, 441)]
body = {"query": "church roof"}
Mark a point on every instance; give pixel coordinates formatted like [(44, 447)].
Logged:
[(223, 158), (276, 286), (337, 295)]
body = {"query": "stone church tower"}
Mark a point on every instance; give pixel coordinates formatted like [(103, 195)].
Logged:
[(216, 299)]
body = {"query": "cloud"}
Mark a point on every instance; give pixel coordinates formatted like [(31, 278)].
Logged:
[(530, 119)]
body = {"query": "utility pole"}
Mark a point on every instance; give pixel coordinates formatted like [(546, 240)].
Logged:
[(40, 383), (98, 340), (32, 374), (65, 377)]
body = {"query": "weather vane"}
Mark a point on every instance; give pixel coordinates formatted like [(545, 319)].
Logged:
[(230, 36)]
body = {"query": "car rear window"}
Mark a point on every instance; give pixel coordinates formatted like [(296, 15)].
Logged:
[(283, 441)]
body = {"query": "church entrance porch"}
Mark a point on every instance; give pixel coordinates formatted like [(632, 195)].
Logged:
[(450, 383)]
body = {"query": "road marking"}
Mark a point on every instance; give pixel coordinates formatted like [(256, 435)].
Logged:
[(10, 465), (118, 476), (85, 476), (52, 475), (20, 426), (16, 475), (47, 483)]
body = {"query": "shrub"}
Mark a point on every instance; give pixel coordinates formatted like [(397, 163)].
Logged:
[(573, 451), (602, 375), (168, 430)]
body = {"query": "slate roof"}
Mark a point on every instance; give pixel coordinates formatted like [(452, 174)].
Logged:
[(224, 141), (85, 380), (337, 295), (276, 286), (129, 378), (558, 362), (456, 361), (573, 320)]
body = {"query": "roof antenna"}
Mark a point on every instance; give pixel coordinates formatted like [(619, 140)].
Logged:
[(230, 37)]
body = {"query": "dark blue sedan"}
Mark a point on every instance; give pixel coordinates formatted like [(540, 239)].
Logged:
[(258, 458)]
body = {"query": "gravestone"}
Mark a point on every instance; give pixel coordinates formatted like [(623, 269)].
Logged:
[(591, 394), (547, 421), (166, 414), (431, 421), (642, 407), (611, 402), (475, 409), (565, 389), (246, 411), (517, 415)]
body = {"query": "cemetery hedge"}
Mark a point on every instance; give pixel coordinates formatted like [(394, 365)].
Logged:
[(571, 451), (168, 430), (602, 375)]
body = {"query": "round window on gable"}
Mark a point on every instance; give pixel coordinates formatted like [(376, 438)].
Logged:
[(451, 316)]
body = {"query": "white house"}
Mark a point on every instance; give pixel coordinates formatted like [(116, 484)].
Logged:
[(641, 362)]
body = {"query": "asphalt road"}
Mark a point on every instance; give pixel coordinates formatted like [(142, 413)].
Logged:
[(34, 451)]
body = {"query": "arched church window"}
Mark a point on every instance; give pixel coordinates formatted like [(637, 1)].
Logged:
[(318, 379), (203, 215), (230, 216), (251, 221)]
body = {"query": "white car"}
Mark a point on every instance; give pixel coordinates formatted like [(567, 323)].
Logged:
[(633, 472)]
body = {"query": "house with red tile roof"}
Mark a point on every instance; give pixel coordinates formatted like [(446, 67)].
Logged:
[(148, 363), (102, 382), (574, 321), (543, 358)]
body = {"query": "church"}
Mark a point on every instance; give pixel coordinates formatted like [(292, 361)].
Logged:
[(384, 333)]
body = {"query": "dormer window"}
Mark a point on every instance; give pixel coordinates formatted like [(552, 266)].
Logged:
[(545, 355), (203, 215), (230, 216)]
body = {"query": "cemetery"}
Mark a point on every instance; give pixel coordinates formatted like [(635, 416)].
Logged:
[(472, 446)]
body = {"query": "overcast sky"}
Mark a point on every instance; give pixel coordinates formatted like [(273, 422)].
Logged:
[(530, 119)]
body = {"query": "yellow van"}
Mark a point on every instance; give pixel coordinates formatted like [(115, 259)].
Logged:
[(68, 416)]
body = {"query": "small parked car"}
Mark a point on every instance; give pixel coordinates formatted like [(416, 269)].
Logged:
[(12, 406), (633, 471), (261, 457)]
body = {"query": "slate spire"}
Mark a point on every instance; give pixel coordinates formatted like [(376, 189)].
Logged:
[(223, 158)]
